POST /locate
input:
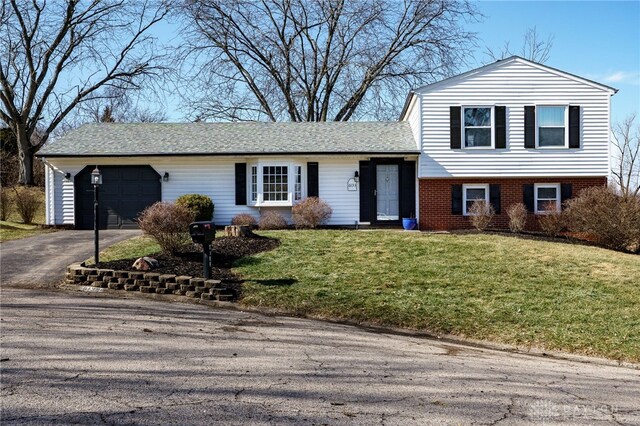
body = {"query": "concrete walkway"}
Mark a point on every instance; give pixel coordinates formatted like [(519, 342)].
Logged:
[(41, 260), (87, 358)]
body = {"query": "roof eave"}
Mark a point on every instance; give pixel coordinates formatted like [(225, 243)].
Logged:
[(224, 154)]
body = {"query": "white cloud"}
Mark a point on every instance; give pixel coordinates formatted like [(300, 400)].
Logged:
[(630, 77)]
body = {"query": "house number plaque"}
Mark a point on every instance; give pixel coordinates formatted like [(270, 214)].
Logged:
[(352, 185)]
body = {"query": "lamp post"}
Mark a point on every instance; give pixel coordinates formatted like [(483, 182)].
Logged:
[(96, 180)]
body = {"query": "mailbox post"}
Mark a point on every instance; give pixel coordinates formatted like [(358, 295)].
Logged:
[(204, 233)]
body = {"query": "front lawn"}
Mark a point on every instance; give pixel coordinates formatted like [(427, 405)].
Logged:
[(522, 292), (510, 290)]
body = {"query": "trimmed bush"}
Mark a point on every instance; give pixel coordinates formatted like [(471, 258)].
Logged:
[(200, 205), (311, 213), (27, 201), (517, 217), (553, 221), (168, 224), (6, 204), (480, 214), (611, 220), (244, 219), (272, 220)]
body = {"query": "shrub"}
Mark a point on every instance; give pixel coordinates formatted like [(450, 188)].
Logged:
[(517, 217), (244, 219), (28, 201), (553, 221), (168, 224), (200, 205), (272, 220), (480, 214), (6, 204), (611, 220), (311, 213)]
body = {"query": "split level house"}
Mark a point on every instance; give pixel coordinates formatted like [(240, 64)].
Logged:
[(513, 131)]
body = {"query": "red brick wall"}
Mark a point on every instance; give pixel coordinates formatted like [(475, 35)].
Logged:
[(435, 199)]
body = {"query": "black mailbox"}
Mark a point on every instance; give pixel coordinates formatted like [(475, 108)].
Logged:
[(202, 232)]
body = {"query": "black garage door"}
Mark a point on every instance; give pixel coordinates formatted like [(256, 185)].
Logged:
[(124, 193)]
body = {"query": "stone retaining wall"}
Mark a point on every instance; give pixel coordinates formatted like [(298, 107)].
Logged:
[(150, 282)]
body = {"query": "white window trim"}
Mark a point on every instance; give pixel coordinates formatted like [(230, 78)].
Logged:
[(566, 126), (260, 202), (535, 196), (464, 133), (484, 186)]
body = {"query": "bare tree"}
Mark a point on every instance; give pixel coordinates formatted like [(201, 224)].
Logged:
[(118, 106), (626, 156), (58, 54), (317, 60), (534, 48)]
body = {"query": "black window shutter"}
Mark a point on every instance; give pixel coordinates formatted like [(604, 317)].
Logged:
[(566, 190), (574, 126), (455, 127), (501, 127), (456, 199), (312, 180), (494, 197), (408, 189), (527, 197), (366, 197), (529, 126), (241, 184)]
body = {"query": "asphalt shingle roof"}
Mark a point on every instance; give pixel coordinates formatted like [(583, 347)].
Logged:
[(135, 139)]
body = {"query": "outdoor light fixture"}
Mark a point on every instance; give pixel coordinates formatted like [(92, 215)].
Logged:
[(356, 176), (165, 178), (96, 181), (67, 176), (96, 177)]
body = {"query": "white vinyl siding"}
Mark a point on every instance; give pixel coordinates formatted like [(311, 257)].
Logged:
[(215, 177), (514, 85)]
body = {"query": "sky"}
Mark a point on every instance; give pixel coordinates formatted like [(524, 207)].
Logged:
[(597, 40)]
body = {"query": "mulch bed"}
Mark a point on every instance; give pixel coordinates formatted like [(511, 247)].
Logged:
[(224, 252)]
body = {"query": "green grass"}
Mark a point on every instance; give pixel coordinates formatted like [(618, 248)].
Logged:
[(131, 248), (14, 228), (489, 287), (522, 292)]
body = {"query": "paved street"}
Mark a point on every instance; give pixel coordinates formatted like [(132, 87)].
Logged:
[(83, 358)]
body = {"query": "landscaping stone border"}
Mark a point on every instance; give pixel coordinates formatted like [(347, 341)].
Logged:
[(150, 282)]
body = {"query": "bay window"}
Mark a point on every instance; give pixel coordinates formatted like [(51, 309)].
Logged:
[(275, 184)]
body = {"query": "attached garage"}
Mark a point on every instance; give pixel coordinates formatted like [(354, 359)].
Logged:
[(124, 193)]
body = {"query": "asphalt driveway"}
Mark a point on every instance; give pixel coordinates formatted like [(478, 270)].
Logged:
[(86, 358), (41, 260)]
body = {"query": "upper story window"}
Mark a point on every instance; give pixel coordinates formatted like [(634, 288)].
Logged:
[(477, 127), (552, 126), (547, 197), (278, 184)]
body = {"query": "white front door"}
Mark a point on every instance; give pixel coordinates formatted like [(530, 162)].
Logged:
[(387, 187)]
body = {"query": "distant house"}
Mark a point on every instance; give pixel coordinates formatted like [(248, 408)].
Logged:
[(512, 131)]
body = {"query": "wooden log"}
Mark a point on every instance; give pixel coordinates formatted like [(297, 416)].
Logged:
[(238, 231)]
